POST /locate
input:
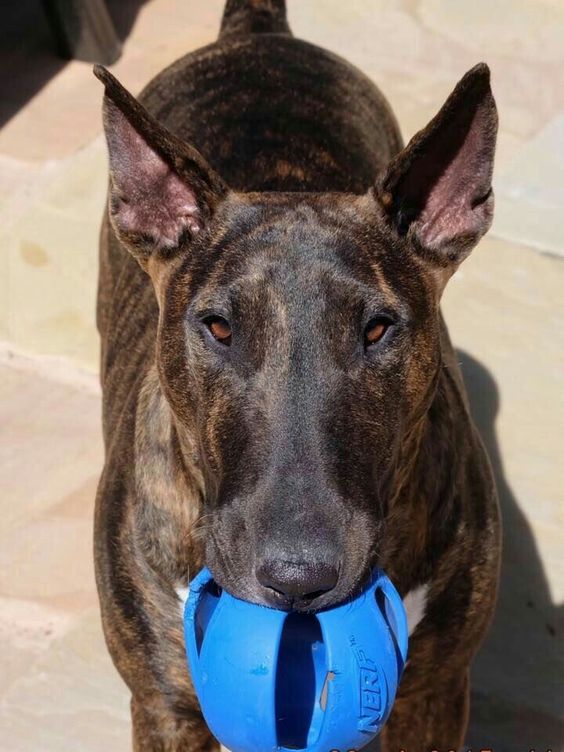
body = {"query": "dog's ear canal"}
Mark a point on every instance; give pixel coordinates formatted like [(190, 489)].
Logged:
[(162, 191), (438, 189)]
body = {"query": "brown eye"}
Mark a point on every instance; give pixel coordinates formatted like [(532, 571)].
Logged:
[(375, 330), (220, 329)]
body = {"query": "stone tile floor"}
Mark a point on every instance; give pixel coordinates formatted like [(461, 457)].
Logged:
[(58, 690)]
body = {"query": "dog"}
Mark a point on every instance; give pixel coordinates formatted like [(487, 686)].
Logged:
[(281, 401)]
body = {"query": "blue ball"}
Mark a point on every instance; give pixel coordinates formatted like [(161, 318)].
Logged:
[(271, 680)]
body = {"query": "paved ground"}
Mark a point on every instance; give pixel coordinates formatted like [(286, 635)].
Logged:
[(58, 690)]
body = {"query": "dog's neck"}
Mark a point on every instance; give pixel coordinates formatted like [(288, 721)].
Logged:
[(169, 486), (425, 503)]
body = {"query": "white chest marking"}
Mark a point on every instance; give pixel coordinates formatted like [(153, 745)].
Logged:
[(182, 591), (415, 603)]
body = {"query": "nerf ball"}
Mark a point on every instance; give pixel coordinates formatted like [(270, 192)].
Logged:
[(271, 680)]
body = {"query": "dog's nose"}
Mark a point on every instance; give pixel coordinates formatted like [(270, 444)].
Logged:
[(304, 580)]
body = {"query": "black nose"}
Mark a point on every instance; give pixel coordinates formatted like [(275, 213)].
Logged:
[(297, 579)]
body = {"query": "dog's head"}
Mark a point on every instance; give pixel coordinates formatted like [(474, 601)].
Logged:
[(299, 334)]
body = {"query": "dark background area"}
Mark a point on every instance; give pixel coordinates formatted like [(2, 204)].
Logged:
[(29, 56)]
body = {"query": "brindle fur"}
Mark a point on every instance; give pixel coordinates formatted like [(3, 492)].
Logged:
[(305, 207)]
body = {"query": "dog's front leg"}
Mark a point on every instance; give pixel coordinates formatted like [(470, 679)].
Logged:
[(157, 729), (431, 721)]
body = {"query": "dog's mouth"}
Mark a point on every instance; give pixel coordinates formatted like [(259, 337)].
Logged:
[(314, 602), (283, 569), (248, 588), (310, 604), (255, 593)]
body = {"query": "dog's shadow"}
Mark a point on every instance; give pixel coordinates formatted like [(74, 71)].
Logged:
[(517, 692)]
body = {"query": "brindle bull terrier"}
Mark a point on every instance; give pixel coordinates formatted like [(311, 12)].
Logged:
[(281, 399)]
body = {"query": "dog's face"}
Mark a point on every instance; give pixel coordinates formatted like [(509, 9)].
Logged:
[(299, 335), (301, 343)]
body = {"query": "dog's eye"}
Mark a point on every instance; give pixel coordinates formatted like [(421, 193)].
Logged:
[(220, 329), (375, 330)]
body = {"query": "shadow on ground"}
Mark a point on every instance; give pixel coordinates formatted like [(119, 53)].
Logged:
[(28, 57), (523, 650), (517, 688)]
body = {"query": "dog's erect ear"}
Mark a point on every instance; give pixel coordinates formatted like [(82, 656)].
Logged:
[(438, 189), (162, 191)]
